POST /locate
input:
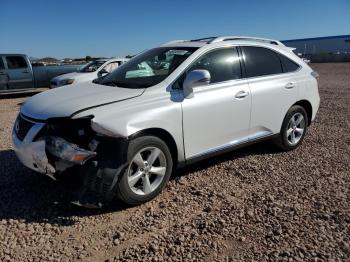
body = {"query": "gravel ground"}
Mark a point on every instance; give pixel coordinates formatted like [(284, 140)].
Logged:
[(252, 204)]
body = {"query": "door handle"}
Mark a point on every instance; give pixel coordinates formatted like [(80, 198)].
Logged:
[(241, 94), (289, 85), (25, 72)]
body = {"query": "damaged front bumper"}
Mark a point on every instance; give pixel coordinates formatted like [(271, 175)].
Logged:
[(32, 153), (47, 152)]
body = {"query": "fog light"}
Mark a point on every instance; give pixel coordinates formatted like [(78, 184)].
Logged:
[(66, 151)]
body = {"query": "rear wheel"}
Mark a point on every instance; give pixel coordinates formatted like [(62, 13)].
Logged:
[(293, 128), (148, 170)]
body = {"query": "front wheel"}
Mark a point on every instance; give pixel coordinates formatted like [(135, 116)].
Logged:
[(293, 129), (149, 168)]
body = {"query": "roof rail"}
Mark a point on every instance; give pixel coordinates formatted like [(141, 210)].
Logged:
[(216, 39), (205, 39), (174, 41), (230, 38)]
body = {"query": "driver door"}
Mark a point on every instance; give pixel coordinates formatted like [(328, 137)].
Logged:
[(19, 72), (218, 115)]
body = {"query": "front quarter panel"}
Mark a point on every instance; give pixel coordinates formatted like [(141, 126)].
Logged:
[(155, 108)]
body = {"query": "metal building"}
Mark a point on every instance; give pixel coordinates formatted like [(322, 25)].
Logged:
[(321, 45)]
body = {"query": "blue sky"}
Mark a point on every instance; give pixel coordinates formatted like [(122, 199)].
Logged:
[(72, 28)]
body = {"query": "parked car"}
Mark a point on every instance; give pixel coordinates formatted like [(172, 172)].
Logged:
[(18, 75), (88, 72), (125, 135)]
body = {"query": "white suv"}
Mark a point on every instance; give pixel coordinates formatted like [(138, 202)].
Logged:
[(165, 108), (87, 73)]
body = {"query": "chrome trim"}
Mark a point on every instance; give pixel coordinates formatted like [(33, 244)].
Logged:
[(27, 119), (259, 135), (234, 143)]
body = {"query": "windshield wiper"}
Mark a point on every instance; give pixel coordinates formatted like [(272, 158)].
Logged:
[(113, 83)]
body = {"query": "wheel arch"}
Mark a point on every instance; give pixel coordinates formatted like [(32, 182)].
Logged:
[(308, 108), (162, 134)]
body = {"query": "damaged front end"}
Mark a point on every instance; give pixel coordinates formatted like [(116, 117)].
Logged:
[(75, 151)]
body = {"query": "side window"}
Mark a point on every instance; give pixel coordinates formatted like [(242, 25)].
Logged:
[(223, 64), (1, 64), (261, 61), (288, 65), (15, 62)]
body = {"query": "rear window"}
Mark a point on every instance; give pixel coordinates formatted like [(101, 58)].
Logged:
[(14, 62), (288, 65), (261, 61)]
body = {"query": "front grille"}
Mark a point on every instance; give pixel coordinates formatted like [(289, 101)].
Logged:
[(22, 127)]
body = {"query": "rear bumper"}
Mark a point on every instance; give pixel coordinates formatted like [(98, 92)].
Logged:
[(32, 153)]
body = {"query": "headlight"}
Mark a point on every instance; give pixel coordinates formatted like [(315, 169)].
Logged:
[(66, 82), (66, 151)]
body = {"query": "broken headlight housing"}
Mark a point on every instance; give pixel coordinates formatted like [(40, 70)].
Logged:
[(64, 150)]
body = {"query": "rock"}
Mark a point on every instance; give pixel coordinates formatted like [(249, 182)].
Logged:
[(116, 241)]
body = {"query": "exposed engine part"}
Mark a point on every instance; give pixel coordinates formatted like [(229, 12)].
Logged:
[(101, 174), (93, 144)]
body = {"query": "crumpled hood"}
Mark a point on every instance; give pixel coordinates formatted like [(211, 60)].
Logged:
[(66, 100)]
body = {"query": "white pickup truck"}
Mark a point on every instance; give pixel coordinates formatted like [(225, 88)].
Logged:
[(18, 75), (88, 72)]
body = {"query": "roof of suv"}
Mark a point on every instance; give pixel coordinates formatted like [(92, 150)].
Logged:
[(217, 39), (228, 39)]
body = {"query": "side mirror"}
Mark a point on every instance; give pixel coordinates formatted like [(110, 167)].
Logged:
[(193, 79), (102, 72)]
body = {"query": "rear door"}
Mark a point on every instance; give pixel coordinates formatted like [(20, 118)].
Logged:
[(274, 90), (19, 72), (3, 76)]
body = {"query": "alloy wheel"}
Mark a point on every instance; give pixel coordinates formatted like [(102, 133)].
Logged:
[(295, 129), (147, 170)]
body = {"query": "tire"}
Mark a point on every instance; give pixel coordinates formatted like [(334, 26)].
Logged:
[(140, 170), (290, 129)]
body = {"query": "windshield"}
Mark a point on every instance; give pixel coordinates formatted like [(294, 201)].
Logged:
[(91, 67), (148, 68)]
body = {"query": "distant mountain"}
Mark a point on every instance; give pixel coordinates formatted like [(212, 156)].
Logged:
[(33, 58), (48, 60)]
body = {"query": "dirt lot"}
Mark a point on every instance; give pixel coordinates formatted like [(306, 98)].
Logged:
[(251, 204)]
